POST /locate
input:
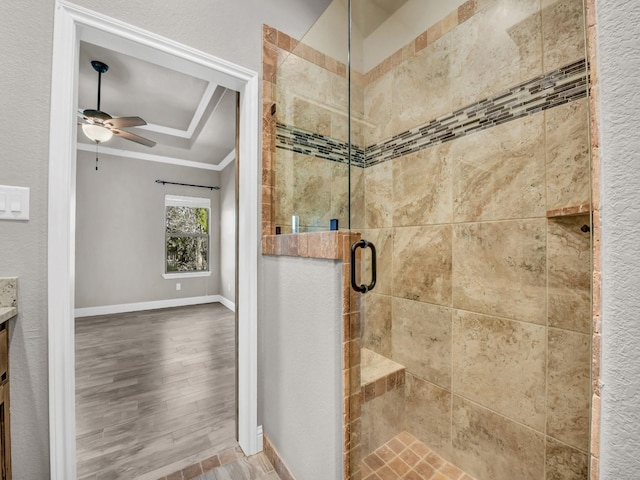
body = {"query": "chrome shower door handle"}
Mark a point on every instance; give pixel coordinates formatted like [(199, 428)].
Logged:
[(363, 288)]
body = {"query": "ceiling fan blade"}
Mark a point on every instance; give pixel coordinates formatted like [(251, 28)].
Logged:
[(133, 137), (94, 116), (124, 122)]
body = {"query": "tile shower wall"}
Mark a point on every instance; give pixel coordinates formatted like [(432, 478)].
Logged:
[(311, 177), (482, 297)]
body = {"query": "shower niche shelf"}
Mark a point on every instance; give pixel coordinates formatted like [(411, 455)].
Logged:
[(571, 211)]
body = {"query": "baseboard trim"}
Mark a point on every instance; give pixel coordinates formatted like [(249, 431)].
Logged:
[(260, 438), (227, 303), (278, 464), (140, 306)]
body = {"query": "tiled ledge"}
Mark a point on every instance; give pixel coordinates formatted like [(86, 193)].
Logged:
[(379, 375), (331, 245), (582, 209)]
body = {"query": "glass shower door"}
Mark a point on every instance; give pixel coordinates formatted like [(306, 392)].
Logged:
[(470, 174)]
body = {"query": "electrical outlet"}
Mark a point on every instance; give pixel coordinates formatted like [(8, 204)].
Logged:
[(178, 286)]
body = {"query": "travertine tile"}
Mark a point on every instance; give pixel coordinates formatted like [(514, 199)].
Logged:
[(422, 264), (429, 414), (569, 388), (379, 195), (382, 419), (563, 32), (567, 151), (340, 126), (565, 463), (499, 269), (378, 102), (421, 338), (422, 187), (569, 274), (311, 197), (357, 94), (309, 116), (501, 364), (494, 50), (421, 88), (357, 199), (339, 193), (375, 366), (300, 78), (383, 241), (338, 95), (466, 10), (487, 445), (284, 186), (499, 172), (377, 324)]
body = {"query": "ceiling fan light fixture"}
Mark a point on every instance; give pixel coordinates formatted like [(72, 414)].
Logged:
[(97, 133)]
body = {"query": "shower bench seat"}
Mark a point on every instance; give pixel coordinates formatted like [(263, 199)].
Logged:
[(379, 374), (382, 382)]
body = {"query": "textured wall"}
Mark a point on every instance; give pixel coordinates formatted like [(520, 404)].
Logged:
[(301, 364), (25, 80), (120, 231), (26, 39), (618, 30)]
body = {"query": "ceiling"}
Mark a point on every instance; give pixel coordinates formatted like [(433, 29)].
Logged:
[(368, 15), (191, 119)]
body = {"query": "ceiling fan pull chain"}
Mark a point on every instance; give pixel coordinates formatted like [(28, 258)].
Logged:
[(96, 157)]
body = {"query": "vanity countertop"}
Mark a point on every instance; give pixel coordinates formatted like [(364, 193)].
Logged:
[(8, 298), (7, 313)]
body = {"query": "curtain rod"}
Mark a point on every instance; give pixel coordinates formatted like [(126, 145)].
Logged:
[(165, 182)]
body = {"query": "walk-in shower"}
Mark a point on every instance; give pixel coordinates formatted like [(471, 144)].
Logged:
[(454, 138)]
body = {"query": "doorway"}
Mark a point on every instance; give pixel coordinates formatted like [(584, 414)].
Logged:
[(75, 24)]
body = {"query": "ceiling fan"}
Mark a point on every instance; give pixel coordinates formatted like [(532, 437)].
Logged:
[(99, 126)]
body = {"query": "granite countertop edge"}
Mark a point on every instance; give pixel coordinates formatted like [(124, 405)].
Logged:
[(7, 313)]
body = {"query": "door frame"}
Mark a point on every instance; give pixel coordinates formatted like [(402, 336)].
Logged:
[(71, 25)]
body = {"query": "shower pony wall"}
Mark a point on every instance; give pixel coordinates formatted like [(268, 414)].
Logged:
[(470, 173)]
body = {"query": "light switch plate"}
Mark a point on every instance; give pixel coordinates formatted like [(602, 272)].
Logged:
[(14, 203)]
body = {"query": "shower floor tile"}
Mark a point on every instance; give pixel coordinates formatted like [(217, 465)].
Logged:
[(405, 457)]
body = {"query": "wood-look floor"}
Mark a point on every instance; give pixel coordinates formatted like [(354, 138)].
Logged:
[(155, 391)]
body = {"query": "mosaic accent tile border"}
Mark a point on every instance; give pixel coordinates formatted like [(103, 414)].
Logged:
[(317, 145), (546, 91), (541, 93)]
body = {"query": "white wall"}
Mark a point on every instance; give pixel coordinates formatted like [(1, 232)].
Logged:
[(330, 35), (300, 358), (228, 232), (120, 233), (619, 73), (228, 29)]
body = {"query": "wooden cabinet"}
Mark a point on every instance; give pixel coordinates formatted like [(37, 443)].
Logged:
[(5, 437)]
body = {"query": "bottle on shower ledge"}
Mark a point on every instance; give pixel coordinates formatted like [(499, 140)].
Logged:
[(295, 224)]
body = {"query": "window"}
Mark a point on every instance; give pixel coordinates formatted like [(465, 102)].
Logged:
[(186, 236)]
